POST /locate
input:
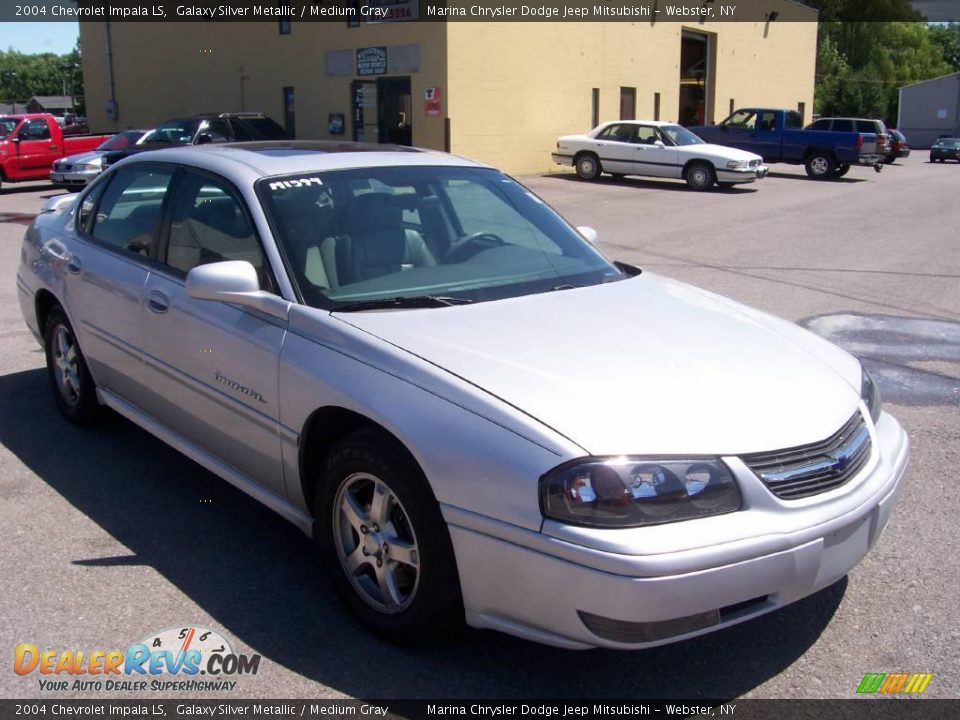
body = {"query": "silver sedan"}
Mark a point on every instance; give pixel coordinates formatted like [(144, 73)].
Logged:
[(475, 414)]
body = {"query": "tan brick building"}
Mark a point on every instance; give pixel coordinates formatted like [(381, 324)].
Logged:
[(499, 92)]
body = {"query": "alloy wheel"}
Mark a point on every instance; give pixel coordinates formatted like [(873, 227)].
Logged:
[(376, 543)]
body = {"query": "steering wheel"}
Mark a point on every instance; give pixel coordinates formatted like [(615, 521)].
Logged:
[(469, 245)]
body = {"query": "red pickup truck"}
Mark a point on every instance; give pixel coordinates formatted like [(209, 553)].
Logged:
[(30, 143)]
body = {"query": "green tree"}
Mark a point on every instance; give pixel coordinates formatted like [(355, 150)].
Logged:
[(25, 75), (947, 39)]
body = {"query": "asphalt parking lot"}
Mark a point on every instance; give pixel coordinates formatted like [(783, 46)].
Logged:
[(111, 536)]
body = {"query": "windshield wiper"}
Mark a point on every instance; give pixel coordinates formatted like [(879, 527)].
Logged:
[(416, 301)]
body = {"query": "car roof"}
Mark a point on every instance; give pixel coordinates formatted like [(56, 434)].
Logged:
[(652, 123), (286, 157)]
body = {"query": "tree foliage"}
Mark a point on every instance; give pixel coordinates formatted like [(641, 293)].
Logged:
[(22, 76), (867, 51), (947, 39)]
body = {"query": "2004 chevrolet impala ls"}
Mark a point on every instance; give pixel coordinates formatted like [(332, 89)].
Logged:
[(474, 413)]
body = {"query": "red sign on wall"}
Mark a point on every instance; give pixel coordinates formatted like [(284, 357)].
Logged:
[(431, 102)]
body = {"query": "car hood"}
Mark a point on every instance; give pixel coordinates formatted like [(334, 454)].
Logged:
[(645, 365), (81, 157), (718, 151)]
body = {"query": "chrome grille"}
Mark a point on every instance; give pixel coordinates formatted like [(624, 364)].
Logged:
[(815, 468)]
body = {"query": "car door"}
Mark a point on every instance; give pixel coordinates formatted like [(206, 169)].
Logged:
[(107, 270), (766, 135), (35, 149), (212, 368), (738, 129), (651, 156), (615, 148)]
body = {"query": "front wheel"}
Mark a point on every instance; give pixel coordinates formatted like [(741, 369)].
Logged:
[(380, 531), (700, 176), (70, 379), (820, 166), (588, 167)]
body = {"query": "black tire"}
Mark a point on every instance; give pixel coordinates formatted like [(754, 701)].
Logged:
[(430, 610), (73, 388), (588, 166), (841, 170), (700, 176), (820, 165)]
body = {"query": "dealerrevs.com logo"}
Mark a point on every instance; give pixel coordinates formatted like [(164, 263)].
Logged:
[(191, 659)]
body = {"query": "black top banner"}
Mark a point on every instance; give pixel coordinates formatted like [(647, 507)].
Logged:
[(387, 11)]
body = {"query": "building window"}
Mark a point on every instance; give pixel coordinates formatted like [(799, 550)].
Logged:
[(802, 110), (595, 107), (628, 103), (289, 112), (353, 19), (283, 25), (656, 106)]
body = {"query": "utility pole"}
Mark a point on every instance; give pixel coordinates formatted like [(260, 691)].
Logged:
[(243, 98)]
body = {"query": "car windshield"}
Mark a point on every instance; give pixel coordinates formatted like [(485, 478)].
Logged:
[(176, 132), (447, 234), (7, 126), (121, 140), (947, 142), (680, 135)]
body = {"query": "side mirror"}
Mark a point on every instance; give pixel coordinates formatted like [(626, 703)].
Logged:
[(659, 144), (234, 281), (588, 234)]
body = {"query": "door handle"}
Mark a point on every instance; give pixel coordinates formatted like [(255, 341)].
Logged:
[(157, 302), (53, 147), (74, 266)]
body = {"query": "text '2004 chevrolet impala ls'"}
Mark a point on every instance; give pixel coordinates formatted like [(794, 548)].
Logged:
[(475, 414)]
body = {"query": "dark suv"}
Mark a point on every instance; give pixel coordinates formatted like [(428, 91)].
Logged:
[(860, 125), (203, 129)]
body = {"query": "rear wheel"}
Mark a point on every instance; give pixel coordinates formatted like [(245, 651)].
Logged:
[(380, 531), (820, 165), (588, 166), (700, 176), (71, 382)]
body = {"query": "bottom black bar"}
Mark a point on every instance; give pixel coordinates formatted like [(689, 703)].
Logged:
[(859, 709)]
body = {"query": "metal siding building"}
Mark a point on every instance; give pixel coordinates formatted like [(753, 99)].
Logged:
[(930, 109)]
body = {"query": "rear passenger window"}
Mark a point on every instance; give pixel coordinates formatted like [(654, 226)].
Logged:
[(843, 125), (210, 225), (128, 213)]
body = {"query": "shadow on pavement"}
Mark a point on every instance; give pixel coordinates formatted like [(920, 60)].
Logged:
[(257, 577), (651, 184), (845, 179)]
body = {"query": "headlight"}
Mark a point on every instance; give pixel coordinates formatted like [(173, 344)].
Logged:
[(870, 394), (629, 492), (91, 165), (738, 164)]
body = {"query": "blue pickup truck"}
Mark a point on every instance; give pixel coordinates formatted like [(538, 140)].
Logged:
[(778, 136)]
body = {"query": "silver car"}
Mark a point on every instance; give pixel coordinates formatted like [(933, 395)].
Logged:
[(77, 171), (475, 414)]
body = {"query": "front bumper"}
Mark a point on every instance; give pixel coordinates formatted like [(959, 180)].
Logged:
[(549, 589), (742, 175), (561, 159), (73, 178)]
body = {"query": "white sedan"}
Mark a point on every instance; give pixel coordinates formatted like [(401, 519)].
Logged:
[(656, 149)]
